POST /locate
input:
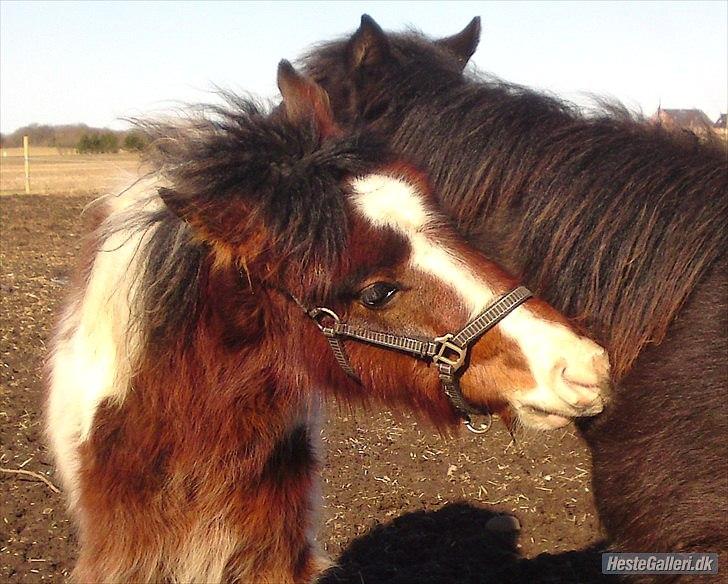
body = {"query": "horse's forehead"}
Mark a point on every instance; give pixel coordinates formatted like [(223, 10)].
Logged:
[(403, 206)]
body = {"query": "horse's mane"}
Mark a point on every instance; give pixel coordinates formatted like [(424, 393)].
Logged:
[(250, 161), (610, 218)]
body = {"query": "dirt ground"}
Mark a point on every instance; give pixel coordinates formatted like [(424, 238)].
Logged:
[(402, 504)]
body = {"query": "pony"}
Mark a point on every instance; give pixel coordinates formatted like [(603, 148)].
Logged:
[(269, 261), (618, 223)]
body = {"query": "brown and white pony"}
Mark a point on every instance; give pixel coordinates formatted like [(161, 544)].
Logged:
[(185, 378), (616, 222)]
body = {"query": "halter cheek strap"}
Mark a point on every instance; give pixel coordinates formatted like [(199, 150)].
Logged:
[(449, 352)]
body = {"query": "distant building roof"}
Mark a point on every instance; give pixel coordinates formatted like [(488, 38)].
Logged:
[(722, 121), (691, 119)]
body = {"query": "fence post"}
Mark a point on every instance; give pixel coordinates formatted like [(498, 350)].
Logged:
[(27, 165)]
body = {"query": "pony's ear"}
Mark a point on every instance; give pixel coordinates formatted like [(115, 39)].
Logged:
[(464, 43), (304, 99), (215, 221), (368, 46), (179, 206), (192, 210)]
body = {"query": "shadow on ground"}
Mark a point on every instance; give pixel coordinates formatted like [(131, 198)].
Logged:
[(453, 544)]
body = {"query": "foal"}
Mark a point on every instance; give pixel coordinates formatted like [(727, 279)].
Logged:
[(210, 317)]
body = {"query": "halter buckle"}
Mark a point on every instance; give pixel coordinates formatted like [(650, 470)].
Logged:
[(449, 353)]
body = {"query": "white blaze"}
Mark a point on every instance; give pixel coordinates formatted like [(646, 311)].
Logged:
[(391, 202)]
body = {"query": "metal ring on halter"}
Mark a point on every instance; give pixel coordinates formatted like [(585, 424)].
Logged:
[(317, 314), (482, 428)]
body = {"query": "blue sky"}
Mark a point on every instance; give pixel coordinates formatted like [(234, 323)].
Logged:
[(93, 62)]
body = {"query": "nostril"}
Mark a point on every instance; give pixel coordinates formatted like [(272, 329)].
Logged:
[(579, 382), (586, 390)]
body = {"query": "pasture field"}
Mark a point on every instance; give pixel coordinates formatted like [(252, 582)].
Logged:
[(401, 503), (67, 174)]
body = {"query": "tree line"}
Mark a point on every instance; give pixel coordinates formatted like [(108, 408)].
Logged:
[(85, 139)]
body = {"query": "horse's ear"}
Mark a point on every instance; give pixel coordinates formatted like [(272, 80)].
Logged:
[(368, 46), (178, 205), (214, 221), (304, 99), (190, 210), (464, 43)]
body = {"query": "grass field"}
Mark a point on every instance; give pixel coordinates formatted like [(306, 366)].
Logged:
[(16, 151), (70, 174)]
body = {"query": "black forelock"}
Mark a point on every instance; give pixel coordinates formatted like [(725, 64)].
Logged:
[(289, 176)]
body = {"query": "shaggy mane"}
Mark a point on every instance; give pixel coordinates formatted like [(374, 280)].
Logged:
[(287, 177)]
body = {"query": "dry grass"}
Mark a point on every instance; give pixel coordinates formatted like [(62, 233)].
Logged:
[(38, 151), (68, 174)]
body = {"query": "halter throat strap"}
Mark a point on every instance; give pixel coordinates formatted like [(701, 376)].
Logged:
[(448, 352)]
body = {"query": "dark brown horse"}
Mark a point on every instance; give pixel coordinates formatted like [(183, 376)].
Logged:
[(615, 221), (209, 320)]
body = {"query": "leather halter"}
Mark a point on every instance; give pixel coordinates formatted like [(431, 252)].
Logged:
[(449, 352)]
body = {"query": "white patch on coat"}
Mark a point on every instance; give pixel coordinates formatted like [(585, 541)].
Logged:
[(96, 345), (548, 347)]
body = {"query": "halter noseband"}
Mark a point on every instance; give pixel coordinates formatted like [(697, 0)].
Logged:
[(448, 352)]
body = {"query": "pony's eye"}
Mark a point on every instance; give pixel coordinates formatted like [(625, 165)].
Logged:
[(377, 295)]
